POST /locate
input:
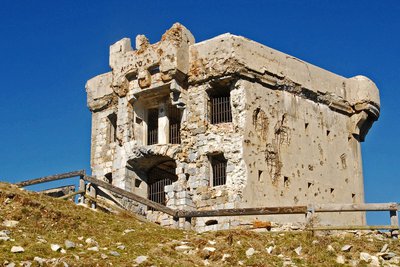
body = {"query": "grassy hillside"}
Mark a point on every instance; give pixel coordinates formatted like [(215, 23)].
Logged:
[(121, 239)]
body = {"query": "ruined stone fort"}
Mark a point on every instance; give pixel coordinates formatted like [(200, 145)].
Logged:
[(228, 123)]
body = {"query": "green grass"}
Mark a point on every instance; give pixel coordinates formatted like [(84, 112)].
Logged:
[(56, 220)]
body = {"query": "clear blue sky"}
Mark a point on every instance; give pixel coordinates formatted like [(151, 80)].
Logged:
[(50, 48)]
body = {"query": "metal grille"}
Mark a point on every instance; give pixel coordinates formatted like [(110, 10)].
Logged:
[(174, 133), (174, 125), (158, 179), (220, 110), (152, 127), (219, 170)]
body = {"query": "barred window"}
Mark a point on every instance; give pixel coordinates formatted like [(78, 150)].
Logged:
[(218, 164), (174, 115), (152, 126), (220, 106)]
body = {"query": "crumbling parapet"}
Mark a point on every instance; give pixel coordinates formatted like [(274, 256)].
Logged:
[(288, 132)]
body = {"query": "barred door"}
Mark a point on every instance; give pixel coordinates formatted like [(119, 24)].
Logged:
[(158, 178)]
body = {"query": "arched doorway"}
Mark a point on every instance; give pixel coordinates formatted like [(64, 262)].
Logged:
[(159, 176)]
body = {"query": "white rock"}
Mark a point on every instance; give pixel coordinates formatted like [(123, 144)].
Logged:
[(39, 260), (212, 242), (4, 232), (17, 249), (298, 250), (93, 248), (41, 240), (65, 264), (80, 238), (10, 223), (225, 256), (340, 259), (183, 248), (388, 255), (330, 248), (12, 264), (4, 238), (270, 249), (90, 241), (240, 263), (126, 231), (114, 253), (346, 248), (384, 248), (374, 261), (121, 247), (364, 256), (250, 252), (210, 249), (63, 251), (25, 263), (69, 244), (103, 256), (354, 263), (55, 247), (315, 242), (206, 262), (141, 259)]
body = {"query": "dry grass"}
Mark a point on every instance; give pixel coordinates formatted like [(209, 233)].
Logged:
[(56, 220)]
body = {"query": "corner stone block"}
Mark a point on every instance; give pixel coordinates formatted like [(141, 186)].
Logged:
[(119, 48), (168, 188)]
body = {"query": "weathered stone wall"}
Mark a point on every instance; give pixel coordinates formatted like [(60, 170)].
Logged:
[(294, 138), (299, 152)]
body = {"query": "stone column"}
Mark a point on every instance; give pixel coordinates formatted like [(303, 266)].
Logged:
[(163, 124)]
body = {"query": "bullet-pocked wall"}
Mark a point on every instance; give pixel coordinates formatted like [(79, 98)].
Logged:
[(227, 123)]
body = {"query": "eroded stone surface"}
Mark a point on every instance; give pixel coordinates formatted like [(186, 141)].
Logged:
[(293, 137)]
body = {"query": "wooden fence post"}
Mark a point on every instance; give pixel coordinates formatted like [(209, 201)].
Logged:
[(92, 194), (310, 214), (82, 187), (394, 221)]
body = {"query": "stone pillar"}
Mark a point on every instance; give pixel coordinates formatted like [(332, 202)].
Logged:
[(163, 124)]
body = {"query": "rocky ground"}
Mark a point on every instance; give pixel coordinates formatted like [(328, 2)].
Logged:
[(36, 230)]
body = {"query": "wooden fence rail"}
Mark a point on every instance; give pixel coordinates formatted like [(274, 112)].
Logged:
[(51, 178), (131, 196), (308, 211)]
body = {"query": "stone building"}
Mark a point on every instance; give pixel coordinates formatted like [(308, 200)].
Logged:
[(228, 123)]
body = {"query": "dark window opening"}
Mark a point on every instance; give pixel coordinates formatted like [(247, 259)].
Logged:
[(218, 164), (174, 115), (328, 132), (332, 190), (112, 127), (154, 69), (158, 177), (306, 125), (109, 178), (286, 181), (211, 222), (309, 185), (152, 126), (138, 120), (131, 76), (137, 183), (220, 107), (260, 175)]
